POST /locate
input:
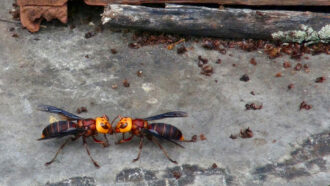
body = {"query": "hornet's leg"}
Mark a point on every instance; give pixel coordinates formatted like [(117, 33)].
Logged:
[(104, 143), (59, 150), (140, 149), (125, 140), (193, 139), (161, 147), (89, 154)]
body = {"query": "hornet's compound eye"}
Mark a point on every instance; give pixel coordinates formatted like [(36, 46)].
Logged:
[(104, 126), (123, 125)]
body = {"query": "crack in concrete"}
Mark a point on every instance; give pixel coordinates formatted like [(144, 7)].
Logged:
[(178, 175), (302, 159), (75, 181)]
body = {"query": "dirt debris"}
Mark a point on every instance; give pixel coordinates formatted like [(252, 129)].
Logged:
[(245, 78), (304, 105), (207, 70), (298, 67), (244, 133), (113, 51), (279, 74), (182, 49), (247, 133), (202, 137), (286, 64), (320, 79), (290, 86), (126, 83), (253, 106), (139, 73), (90, 35), (253, 61)]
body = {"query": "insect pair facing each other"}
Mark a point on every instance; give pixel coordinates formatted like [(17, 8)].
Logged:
[(91, 127)]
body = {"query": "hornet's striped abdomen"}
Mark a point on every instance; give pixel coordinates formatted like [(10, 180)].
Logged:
[(166, 131), (59, 129)]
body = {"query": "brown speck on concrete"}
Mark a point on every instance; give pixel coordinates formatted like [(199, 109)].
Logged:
[(114, 51), (89, 35), (233, 136), (15, 35), (320, 79), (286, 64), (247, 133), (211, 44), (252, 93), (218, 61), (245, 78), (298, 67), (279, 74), (202, 137), (291, 86), (253, 61), (139, 73), (86, 56), (181, 50), (304, 105), (253, 106), (272, 51), (134, 45), (176, 174), (214, 166), (207, 70), (203, 60), (126, 83), (306, 68)]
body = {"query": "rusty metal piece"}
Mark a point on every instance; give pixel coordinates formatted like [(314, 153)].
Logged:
[(31, 16)]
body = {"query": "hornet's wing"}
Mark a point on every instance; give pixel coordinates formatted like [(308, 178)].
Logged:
[(52, 109), (155, 133), (167, 115)]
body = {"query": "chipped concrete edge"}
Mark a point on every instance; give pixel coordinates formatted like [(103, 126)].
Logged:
[(306, 34)]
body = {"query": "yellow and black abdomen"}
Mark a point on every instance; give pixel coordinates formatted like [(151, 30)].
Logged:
[(60, 129), (166, 131)]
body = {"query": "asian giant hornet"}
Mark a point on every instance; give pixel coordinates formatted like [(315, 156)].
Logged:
[(141, 128), (80, 128)]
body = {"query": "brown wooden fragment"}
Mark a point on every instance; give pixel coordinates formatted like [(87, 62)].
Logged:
[(226, 23)]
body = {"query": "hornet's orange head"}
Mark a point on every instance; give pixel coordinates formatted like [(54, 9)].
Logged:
[(103, 125), (124, 125)]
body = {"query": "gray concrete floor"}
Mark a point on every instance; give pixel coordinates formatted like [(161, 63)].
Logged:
[(289, 147)]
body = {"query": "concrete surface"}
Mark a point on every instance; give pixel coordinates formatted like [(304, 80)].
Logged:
[(289, 147)]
